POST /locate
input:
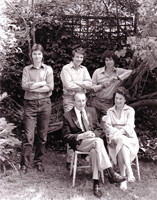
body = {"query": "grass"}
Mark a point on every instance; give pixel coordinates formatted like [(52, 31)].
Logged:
[(56, 184)]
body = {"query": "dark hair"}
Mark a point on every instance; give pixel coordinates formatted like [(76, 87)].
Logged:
[(79, 50), (123, 91), (108, 54), (37, 47)]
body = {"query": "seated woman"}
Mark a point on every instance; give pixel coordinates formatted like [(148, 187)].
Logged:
[(123, 143)]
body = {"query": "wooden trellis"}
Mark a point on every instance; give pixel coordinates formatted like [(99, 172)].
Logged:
[(91, 29)]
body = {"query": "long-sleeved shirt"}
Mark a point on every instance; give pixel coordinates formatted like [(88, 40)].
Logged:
[(32, 75), (126, 121), (70, 76), (99, 77)]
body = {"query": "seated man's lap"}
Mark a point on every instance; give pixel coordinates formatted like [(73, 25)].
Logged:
[(88, 144)]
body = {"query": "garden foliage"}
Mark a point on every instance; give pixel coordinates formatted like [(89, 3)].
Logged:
[(8, 141), (44, 24)]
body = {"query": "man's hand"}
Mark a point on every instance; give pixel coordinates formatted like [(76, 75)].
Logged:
[(86, 135), (115, 79), (89, 134), (106, 84)]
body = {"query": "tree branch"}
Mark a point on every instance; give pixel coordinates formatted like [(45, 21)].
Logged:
[(150, 102)]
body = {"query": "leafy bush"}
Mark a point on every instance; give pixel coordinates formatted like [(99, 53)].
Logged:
[(8, 142)]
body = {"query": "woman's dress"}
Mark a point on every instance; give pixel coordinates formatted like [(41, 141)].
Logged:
[(113, 123)]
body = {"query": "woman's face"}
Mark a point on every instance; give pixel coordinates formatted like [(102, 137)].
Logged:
[(119, 100), (109, 62), (37, 56)]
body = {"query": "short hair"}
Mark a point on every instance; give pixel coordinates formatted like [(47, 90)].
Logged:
[(108, 54), (80, 92), (37, 47), (123, 91), (79, 50)]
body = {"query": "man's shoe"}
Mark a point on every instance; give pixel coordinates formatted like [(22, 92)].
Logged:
[(116, 178), (39, 167), (68, 165), (23, 169), (96, 190)]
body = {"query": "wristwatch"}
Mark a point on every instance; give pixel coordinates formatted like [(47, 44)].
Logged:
[(118, 78)]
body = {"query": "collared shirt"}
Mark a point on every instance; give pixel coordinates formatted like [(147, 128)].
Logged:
[(78, 114), (99, 77), (31, 75), (70, 75)]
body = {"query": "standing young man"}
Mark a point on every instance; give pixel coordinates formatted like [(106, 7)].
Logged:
[(38, 83), (75, 77), (105, 81)]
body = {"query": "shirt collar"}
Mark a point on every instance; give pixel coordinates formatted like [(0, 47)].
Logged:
[(78, 111), (72, 65), (126, 107), (103, 69), (42, 66)]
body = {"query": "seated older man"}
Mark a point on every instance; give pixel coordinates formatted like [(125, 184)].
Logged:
[(82, 131)]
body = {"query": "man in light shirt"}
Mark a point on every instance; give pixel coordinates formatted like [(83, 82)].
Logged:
[(82, 131), (75, 77), (105, 81)]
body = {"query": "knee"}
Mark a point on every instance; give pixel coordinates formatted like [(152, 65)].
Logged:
[(99, 141)]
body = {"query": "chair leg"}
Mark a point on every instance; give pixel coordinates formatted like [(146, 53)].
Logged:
[(71, 165), (138, 168), (102, 176), (74, 169)]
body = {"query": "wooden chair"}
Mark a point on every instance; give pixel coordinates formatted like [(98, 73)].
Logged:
[(74, 167)]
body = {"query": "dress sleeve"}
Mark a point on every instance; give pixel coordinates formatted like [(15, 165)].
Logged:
[(130, 121), (110, 130)]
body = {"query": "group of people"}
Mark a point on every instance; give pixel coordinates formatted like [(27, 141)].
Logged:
[(84, 128)]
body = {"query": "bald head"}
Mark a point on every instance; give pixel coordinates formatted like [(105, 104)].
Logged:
[(80, 100)]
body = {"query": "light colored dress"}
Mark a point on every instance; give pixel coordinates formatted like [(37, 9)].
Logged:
[(113, 123)]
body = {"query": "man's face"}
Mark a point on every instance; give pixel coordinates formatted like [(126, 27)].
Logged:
[(37, 56), (80, 101), (109, 62), (77, 59)]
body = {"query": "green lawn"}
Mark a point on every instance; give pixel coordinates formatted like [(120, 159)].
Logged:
[(56, 184)]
